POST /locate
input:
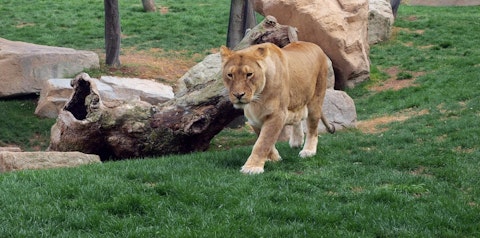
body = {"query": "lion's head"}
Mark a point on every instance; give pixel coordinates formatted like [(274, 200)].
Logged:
[(243, 74)]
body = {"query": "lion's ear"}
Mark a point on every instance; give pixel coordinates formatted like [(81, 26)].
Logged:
[(225, 52), (262, 52)]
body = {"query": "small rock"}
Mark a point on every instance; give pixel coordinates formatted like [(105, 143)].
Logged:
[(12, 161)]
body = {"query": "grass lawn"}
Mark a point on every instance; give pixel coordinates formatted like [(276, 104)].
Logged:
[(411, 169)]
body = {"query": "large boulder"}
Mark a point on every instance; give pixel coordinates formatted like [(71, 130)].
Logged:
[(339, 27), (11, 161), (25, 66), (380, 21), (56, 92)]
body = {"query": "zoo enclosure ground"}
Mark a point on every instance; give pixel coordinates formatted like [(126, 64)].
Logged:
[(418, 178)]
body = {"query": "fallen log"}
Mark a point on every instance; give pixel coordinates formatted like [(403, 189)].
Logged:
[(119, 129)]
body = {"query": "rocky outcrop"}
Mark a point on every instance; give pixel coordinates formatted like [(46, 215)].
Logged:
[(11, 161), (380, 21), (56, 92), (339, 27), (24, 66)]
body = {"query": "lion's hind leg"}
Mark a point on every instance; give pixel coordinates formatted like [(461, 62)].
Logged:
[(311, 141), (310, 146), (296, 137)]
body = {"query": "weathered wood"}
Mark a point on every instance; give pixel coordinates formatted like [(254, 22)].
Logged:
[(127, 129)]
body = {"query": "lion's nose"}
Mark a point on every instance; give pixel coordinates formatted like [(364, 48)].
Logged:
[(239, 95)]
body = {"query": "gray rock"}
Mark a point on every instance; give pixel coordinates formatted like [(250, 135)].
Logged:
[(339, 109), (380, 21), (24, 66), (145, 89), (56, 92), (11, 161), (200, 74), (54, 95)]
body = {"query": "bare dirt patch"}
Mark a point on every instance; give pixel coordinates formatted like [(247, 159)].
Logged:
[(377, 125), (147, 65), (393, 83), (152, 64), (24, 24), (163, 10)]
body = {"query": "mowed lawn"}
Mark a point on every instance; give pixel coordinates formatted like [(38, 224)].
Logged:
[(411, 169)]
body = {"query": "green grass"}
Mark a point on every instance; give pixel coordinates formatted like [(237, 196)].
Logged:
[(189, 26), (417, 178), (20, 127)]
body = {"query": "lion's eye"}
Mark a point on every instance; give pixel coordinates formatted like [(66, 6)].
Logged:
[(230, 75), (249, 75)]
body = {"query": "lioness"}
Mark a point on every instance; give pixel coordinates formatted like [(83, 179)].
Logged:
[(276, 87)]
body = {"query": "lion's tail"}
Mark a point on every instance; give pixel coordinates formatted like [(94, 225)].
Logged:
[(330, 126)]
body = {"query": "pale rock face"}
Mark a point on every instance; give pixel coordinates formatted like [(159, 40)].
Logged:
[(339, 27), (56, 92), (12, 161), (24, 66), (380, 21)]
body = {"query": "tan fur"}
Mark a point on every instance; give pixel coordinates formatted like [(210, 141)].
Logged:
[(276, 87)]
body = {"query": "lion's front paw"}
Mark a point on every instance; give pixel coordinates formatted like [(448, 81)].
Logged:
[(307, 153), (251, 170)]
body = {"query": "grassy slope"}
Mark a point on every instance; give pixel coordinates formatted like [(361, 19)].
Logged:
[(189, 26), (419, 178)]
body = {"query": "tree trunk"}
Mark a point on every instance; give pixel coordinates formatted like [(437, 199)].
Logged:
[(128, 129), (242, 17), (149, 5), (112, 33)]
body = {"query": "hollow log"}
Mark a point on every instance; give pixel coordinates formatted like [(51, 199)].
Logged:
[(120, 129)]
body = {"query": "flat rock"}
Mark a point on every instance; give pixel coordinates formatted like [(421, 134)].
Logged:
[(56, 92), (12, 161), (145, 89), (26, 66)]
